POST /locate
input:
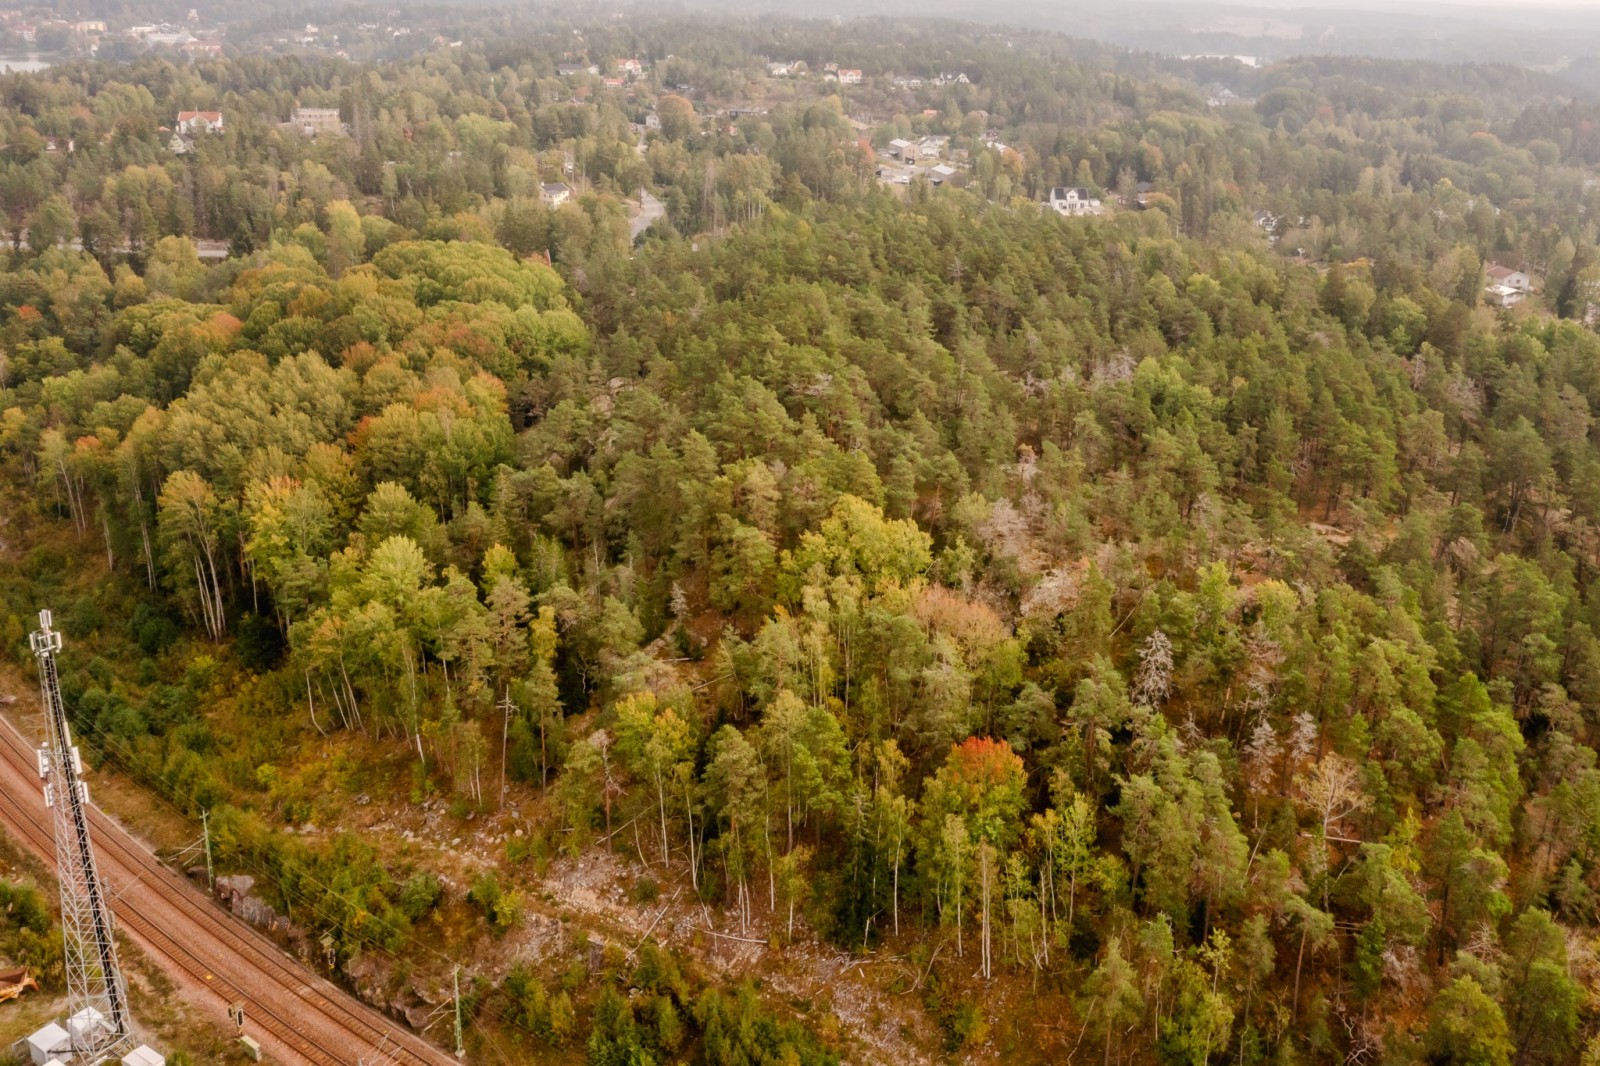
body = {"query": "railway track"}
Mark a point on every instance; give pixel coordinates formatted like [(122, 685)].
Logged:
[(300, 1018)]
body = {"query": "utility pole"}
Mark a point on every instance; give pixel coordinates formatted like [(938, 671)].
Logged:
[(506, 707), (455, 977), (205, 827), (97, 999)]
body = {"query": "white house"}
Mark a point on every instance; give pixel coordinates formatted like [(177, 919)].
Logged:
[(555, 193), (1073, 202), (192, 122), (849, 76), (1511, 279)]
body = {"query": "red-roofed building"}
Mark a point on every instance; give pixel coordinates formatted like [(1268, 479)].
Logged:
[(192, 122)]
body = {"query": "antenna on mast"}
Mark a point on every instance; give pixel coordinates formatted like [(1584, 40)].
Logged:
[(98, 1023)]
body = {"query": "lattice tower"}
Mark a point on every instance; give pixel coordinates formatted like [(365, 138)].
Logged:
[(97, 998)]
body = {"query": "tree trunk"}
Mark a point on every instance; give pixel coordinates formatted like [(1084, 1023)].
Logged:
[(1294, 1004)]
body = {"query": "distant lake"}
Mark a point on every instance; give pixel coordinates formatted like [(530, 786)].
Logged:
[(23, 64)]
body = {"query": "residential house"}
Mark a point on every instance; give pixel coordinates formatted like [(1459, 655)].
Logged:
[(941, 173), (903, 150), (313, 121), (933, 147), (572, 70), (630, 68), (849, 76), (904, 82), (202, 48), (614, 83), (1073, 202), (780, 70), (652, 121), (193, 122), (89, 26), (555, 193), (1511, 279)]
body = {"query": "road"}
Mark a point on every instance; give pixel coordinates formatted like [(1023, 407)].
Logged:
[(298, 1017), (650, 209)]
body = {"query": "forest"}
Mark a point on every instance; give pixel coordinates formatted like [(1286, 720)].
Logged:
[(1169, 636)]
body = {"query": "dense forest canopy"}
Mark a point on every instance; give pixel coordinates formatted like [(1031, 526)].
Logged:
[(1179, 624)]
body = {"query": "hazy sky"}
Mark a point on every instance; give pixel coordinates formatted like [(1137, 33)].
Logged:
[(1381, 5)]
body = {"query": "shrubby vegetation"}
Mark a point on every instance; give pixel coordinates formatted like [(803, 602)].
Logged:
[(29, 935), (1195, 639)]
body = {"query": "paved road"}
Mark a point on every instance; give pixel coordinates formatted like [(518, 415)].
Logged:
[(650, 209), (298, 1017)]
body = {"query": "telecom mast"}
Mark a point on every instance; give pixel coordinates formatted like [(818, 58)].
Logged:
[(97, 999)]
